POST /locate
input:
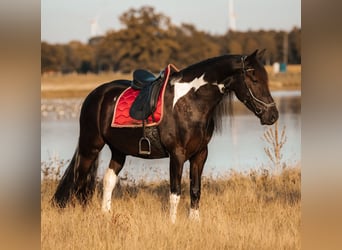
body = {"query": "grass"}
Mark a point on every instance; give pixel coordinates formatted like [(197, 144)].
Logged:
[(289, 80), (275, 141), (74, 85), (255, 210)]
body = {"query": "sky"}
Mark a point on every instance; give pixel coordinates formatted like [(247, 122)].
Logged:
[(65, 20)]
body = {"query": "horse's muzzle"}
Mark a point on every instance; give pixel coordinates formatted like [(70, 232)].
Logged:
[(270, 116)]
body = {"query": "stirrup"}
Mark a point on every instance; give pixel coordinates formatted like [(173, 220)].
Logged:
[(144, 140)]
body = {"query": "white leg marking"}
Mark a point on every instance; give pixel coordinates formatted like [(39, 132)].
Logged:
[(194, 214), (174, 200), (182, 88), (109, 181)]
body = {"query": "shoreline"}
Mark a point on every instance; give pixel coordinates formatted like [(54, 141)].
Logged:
[(68, 107), (79, 86)]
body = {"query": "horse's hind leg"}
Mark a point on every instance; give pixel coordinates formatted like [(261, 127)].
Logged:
[(196, 168), (79, 178), (86, 170), (111, 178)]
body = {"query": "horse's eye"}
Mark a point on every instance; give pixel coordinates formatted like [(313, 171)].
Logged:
[(253, 78)]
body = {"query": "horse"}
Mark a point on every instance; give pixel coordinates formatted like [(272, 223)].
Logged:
[(194, 102)]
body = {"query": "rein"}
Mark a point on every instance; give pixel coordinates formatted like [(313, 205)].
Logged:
[(266, 105)]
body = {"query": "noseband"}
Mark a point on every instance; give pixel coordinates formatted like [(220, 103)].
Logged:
[(244, 70)]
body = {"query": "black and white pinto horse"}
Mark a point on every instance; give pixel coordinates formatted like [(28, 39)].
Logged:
[(193, 101)]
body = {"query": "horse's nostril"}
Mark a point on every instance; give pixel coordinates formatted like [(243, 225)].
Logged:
[(258, 111), (274, 118)]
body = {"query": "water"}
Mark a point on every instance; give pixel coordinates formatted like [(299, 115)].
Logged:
[(239, 147)]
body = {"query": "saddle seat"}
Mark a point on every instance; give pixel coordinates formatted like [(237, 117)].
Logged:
[(142, 78)]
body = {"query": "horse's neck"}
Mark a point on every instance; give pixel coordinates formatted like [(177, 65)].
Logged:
[(198, 89), (215, 70)]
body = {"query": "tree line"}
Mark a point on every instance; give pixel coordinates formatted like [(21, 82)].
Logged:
[(149, 40)]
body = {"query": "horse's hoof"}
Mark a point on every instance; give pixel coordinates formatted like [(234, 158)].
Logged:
[(194, 215), (173, 220), (105, 210)]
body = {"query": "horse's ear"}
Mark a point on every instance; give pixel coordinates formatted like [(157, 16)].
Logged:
[(253, 55), (260, 54), (256, 54)]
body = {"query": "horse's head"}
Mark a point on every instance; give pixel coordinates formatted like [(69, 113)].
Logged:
[(251, 88)]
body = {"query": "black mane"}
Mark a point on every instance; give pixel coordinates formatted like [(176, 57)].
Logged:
[(223, 64)]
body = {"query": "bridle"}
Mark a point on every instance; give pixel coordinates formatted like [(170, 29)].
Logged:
[(229, 80), (264, 104)]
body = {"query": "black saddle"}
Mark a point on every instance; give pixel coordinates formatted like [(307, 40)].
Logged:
[(145, 103), (142, 78)]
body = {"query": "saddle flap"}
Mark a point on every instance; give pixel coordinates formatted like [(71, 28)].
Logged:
[(145, 103)]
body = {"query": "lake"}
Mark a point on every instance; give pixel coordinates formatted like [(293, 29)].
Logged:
[(239, 147)]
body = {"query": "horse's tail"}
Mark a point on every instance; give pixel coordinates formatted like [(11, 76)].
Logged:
[(76, 182)]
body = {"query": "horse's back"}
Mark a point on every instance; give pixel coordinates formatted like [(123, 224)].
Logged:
[(116, 85), (113, 87)]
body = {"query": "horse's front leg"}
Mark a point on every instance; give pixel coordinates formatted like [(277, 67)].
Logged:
[(196, 168), (176, 169)]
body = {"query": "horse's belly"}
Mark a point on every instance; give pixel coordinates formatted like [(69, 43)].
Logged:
[(126, 140)]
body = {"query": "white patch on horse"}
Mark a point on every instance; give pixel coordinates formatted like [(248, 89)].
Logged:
[(220, 87), (174, 200), (109, 181), (182, 88)]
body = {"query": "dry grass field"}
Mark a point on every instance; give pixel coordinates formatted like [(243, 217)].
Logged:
[(255, 210), (74, 85), (289, 80)]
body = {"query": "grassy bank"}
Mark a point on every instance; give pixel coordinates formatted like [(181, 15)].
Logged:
[(255, 210), (73, 85)]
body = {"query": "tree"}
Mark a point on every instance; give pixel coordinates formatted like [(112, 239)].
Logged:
[(52, 57), (295, 45), (146, 40), (194, 45), (149, 40), (79, 57)]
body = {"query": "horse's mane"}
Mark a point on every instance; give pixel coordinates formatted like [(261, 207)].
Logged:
[(210, 61), (224, 108)]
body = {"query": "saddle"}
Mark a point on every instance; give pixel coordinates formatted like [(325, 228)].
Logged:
[(146, 102), (146, 89)]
